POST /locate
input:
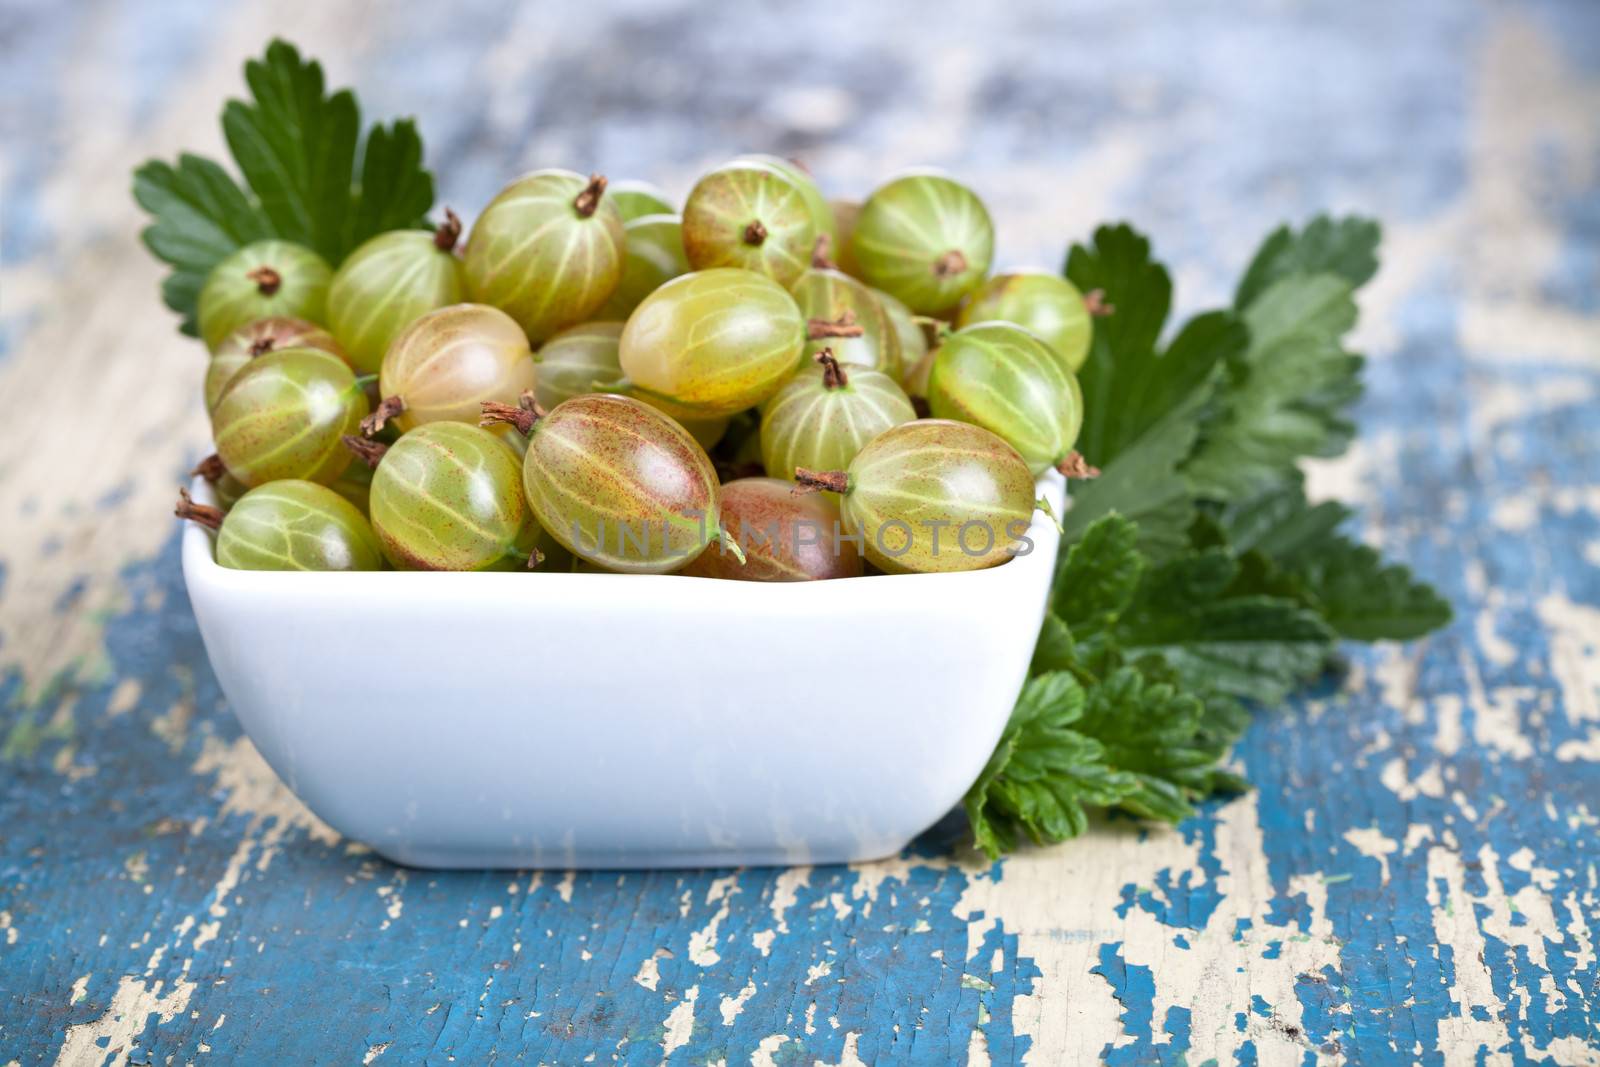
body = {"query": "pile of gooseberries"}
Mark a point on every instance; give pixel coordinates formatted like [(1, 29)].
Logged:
[(766, 385)]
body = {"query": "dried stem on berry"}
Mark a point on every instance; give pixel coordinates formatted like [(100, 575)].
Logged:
[(1095, 301), (1075, 466), (523, 414), (810, 481), (833, 375), (588, 202), (535, 558), (952, 262), (262, 346), (843, 326), (204, 514), (755, 233), (387, 408), (267, 280), (819, 254), (368, 452), (210, 468), (448, 233)]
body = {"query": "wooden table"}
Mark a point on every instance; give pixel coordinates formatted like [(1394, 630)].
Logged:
[(1415, 877)]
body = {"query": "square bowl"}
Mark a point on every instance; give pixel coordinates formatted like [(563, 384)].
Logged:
[(605, 720)]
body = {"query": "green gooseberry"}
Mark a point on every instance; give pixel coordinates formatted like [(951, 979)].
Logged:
[(845, 316), (388, 283), (448, 497), (712, 343), (547, 250), (1046, 305), (924, 239), (577, 360), (447, 363), (752, 216), (654, 256), (784, 537), (260, 281), (257, 339), (1005, 379), (820, 209), (635, 199), (841, 247), (283, 417), (616, 482), (913, 341), (289, 525), (934, 495), (827, 414)]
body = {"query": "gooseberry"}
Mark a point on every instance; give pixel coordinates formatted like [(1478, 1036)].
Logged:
[(653, 257), (635, 199), (924, 239), (749, 215), (913, 341), (576, 360), (826, 414), (257, 339), (283, 416), (712, 343), (547, 251), (615, 481), (289, 525), (388, 283), (845, 316), (262, 280), (1046, 305), (1005, 379), (934, 495), (785, 538), (444, 365), (821, 211), (448, 497)]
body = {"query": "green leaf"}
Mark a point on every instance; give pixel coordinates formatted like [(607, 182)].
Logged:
[(1056, 650), (1141, 404), (1098, 576), (1345, 247), (1220, 631), (1043, 776), (1285, 395), (396, 191), (1298, 547), (199, 216), (296, 148)]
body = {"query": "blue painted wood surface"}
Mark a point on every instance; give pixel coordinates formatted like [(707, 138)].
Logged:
[(1415, 878)]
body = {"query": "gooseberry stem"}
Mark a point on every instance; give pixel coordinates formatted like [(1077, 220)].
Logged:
[(819, 254), (448, 233), (267, 280), (262, 347), (755, 233), (833, 375), (1043, 504), (368, 452), (364, 380), (731, 544), (535, 557), (210, 468), (588, 202), (1095, 301), (951, 263), (1073, 465), (523, 414), (810, 481), (387, 408), (206, 515), (843, 326), (933, 330)]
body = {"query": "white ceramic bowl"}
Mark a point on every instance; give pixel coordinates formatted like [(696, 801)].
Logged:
[(602, 720)]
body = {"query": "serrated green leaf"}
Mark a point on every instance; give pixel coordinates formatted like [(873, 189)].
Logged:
[(1098, 576), (1055, 650), (1345, 247), (396, 191), (296, 148)]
